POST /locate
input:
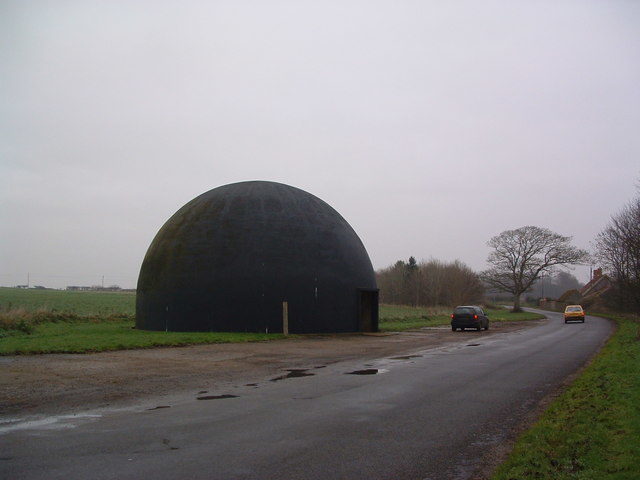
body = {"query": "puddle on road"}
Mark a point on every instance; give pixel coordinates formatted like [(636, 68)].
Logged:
[(167, 443), (406, 357), (293, 373), (320, 366), (473, 344), (202, 391), (367, 371), (216, 397), (251, 385), (159, 407)]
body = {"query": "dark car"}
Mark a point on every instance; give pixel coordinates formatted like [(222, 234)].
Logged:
[(469, 316)]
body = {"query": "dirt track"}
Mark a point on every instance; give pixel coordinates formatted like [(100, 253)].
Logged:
[(65, 383)]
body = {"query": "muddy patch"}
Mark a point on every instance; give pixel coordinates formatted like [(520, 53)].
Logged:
[(366, 371)]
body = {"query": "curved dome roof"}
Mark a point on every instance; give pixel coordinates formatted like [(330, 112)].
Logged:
[(228, 259)]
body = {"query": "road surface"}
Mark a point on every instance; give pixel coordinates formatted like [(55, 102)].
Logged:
[(434, 414)]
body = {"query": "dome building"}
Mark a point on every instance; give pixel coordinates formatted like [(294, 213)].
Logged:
[(238, 256)]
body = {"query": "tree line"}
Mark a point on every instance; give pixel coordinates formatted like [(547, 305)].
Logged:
[(429, 283)]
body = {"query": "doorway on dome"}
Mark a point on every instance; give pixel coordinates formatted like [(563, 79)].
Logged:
[(367, 310)]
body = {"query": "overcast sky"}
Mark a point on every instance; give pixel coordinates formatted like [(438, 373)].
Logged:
[(430, 126)]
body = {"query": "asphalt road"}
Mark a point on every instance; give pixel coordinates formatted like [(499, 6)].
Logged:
[(430, 415)]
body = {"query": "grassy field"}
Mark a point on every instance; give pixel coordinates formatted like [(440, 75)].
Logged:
[(80, 303), (592, 431), (53, 321)]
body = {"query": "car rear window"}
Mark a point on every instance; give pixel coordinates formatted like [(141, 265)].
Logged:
[(574, 309), (464, 310)]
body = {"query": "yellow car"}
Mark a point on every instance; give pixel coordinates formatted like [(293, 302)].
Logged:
[(573, 312)]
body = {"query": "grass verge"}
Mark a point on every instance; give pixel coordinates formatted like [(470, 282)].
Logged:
[(592, 431), (84, 336), (395, 318)]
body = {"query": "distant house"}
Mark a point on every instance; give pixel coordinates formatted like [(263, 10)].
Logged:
[(587, 295), (78, 288), (94, 288), (598, 285), (570, 297)]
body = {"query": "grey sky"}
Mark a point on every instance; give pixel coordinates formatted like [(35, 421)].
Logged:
[(430, 126)]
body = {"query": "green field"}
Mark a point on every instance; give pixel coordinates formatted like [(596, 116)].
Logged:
[(54, 321), (80, 303), (592, 431)]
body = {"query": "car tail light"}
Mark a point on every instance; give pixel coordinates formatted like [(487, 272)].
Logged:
[(475, 317), (452, 315)]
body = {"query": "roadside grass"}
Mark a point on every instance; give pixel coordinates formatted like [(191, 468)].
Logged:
[(396, 318), (592, 431), (99, 335), (505, 315)]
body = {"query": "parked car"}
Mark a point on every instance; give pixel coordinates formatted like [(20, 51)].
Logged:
[(574, 313), (469, 316)]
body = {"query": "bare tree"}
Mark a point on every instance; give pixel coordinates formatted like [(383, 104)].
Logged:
[(519, 257), (618, 251)]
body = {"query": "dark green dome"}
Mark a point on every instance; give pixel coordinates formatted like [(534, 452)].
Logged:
[(228, 259)]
